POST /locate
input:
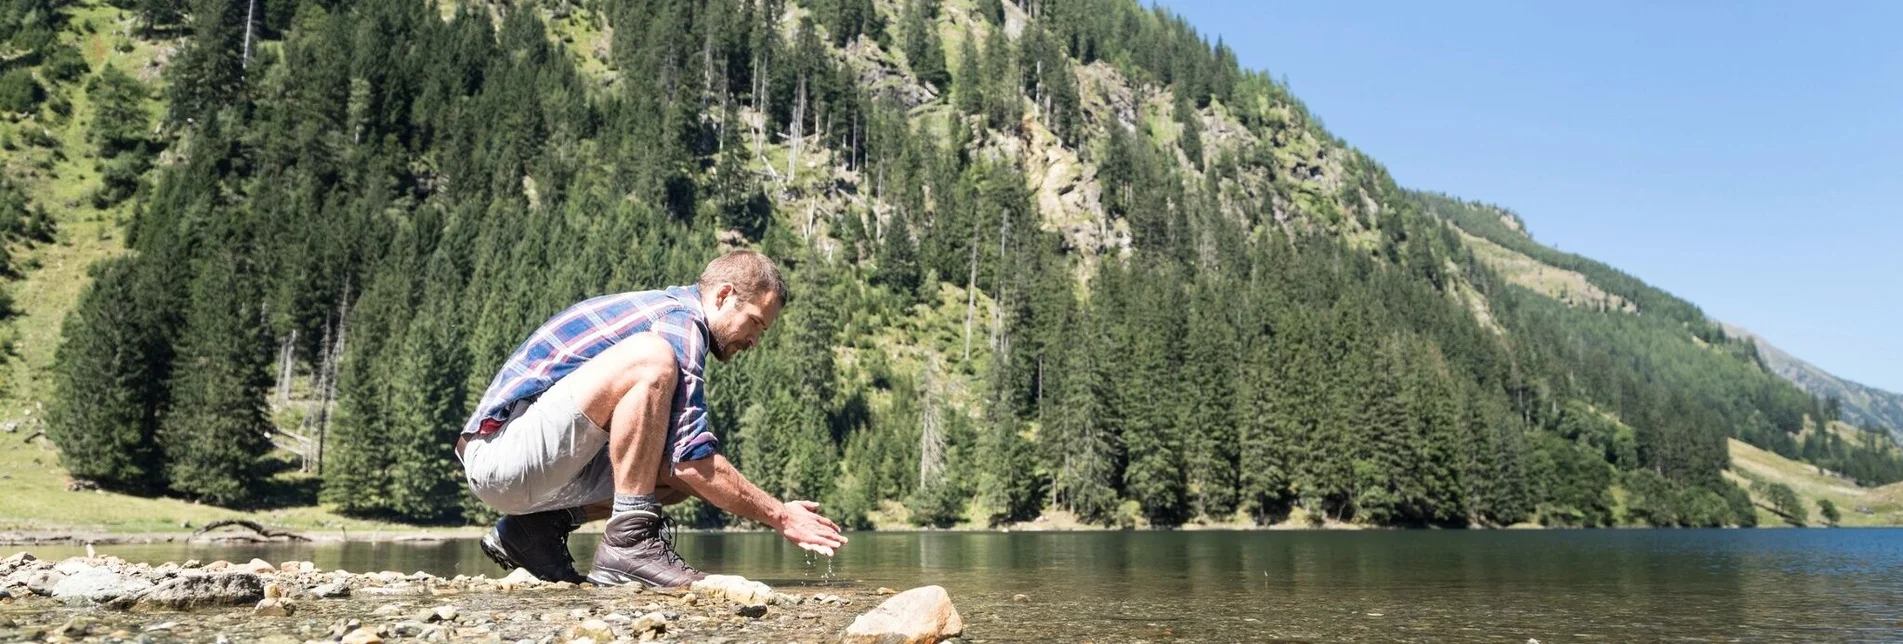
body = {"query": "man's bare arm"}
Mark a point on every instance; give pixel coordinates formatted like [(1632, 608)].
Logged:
[(716, 480)]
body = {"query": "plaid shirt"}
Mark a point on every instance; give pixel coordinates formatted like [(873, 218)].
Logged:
[(583, 331)]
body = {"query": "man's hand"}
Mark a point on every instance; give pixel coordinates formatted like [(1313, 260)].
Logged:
[(801, 523)]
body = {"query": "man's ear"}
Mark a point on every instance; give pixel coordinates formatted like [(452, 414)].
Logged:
[(722, 293)]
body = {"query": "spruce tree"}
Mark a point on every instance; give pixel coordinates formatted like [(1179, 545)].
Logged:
[(108, 382), (968, 85), (216, 429)]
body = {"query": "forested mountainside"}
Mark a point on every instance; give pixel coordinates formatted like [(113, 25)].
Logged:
[(1058, 258)]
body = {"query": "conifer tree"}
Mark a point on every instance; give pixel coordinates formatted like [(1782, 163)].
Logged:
[(108, 381), (216, 429)]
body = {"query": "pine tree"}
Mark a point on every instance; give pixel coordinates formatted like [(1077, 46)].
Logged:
[(968, 85), (108, 378), (1083, 441), (1209, 423), (923, 50), (209, 74), (119, 116), (216, 429), (427, 406), (1146, 396)]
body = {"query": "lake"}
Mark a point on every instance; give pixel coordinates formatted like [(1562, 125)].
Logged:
[(1780, 585)]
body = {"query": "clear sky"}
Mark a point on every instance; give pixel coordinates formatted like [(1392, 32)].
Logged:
[(1746, 156)]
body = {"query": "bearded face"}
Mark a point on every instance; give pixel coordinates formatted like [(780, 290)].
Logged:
[(737, 324)]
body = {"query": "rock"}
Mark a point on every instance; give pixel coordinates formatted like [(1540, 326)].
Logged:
[(654, 621), (582, 640), (200, 590), (783, 599), (273, 591), (734, 588), (72, 567), (387, 609), (269, 607), (445, 613), (519, 578), (18, 559), (594, 629), (96, 585), (258, 567), (1021, 598), (361, 636), (689, 599), (214, 566), (751, 611), (923, 615), (886, 591), (39, 582), (332, 590)]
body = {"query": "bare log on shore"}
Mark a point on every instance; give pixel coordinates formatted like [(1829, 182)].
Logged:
[(254, 526)]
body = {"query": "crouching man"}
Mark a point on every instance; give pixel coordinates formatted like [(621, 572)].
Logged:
[(602, 414)]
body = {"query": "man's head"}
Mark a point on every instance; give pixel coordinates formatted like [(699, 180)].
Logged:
[(742, 293)]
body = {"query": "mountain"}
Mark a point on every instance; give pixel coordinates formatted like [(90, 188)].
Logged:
[(1052, 260), (1862, 404)]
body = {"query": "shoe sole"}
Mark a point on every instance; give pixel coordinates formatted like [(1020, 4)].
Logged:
[(601, 577), (495, 554)]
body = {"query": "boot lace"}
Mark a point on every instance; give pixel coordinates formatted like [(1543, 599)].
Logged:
[(668, 531)]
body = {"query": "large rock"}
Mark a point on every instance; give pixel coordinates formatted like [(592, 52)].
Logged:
[(735, 588), (96, 585), (923, 615), (40, 581), (190, 591)]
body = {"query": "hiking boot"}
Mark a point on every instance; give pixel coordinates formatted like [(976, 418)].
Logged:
[(634, 548), (535, 542)]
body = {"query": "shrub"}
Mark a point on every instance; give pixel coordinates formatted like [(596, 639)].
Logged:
[(19, 92)]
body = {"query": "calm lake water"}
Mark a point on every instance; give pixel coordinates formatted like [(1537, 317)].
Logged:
[(1374, 586)]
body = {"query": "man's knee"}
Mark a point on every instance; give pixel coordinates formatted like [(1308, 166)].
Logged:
[(650, 368), (641, 366)]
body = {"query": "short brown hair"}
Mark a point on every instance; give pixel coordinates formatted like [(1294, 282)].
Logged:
[(750, 273)]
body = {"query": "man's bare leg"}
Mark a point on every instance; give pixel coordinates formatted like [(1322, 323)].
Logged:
[(629, 389)]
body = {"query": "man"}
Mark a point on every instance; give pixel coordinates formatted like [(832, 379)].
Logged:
[(602, 414)]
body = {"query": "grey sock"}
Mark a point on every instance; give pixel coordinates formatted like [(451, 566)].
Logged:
[(631, 502)]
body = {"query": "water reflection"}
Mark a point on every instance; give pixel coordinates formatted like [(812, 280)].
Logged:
[(1506, 586)]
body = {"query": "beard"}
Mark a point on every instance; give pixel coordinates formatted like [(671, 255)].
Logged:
[(723, 349)]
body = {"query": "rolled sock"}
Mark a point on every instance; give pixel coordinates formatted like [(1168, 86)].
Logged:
[(631, 502)]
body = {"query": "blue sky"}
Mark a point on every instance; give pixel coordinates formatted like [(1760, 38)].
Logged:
[(1747, 156)]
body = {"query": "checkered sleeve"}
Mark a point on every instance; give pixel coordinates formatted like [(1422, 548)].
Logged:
[(689, 432)]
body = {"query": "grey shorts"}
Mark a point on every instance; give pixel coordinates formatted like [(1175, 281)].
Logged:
[(548, 455)]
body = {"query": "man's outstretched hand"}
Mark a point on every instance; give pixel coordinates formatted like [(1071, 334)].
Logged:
[(801, 523)]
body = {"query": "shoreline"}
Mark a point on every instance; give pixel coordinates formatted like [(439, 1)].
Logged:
[(24, 538), (96, 598)]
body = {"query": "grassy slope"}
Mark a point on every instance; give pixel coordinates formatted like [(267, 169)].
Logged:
[(1861, 506), (35, 498)]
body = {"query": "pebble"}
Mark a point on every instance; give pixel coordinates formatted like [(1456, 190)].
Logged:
[(270, 607), (751, 611)]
